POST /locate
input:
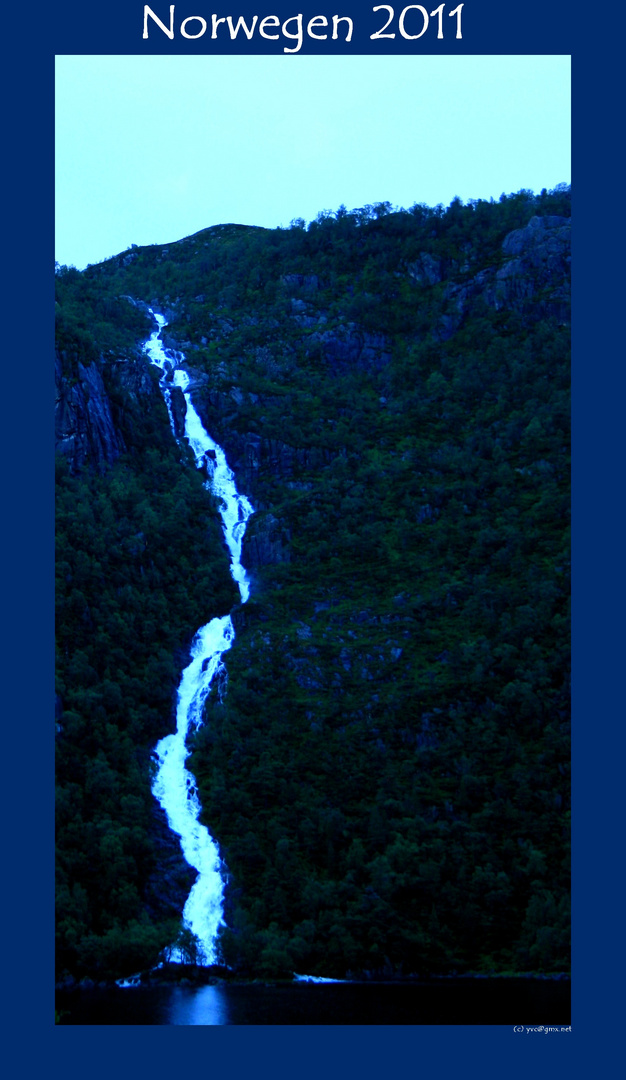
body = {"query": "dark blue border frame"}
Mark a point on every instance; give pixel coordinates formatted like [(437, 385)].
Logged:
[(114, 26)]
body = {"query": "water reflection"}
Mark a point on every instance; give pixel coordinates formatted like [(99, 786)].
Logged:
[(205, 1006), (443, 1001)]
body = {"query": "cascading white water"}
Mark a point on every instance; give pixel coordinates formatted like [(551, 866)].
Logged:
[(173, 785)]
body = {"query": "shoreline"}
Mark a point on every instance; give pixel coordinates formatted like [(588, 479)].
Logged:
[(189, 975)]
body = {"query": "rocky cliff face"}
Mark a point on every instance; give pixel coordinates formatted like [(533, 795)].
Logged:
[(533, 278), (351, 347), (266, 541), (83, 421), (94, 404)]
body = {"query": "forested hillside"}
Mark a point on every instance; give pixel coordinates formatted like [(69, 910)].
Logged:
[(387, 769)]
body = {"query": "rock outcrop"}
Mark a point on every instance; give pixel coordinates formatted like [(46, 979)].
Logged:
[(178, 406), (84, 428), (533, 279), (350, 347), (426, 270), (266, 541), (95, 404)]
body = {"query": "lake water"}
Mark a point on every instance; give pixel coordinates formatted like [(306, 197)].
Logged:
[(445, 1001)]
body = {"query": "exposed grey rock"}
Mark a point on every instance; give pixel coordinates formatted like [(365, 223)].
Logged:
[(84, 429), (266, 541), (348, 346), (196, 377), (251, 456), (308, 674), (137, 304), (345, 659), (533, 281), (179, 411), (425, 270), (135, 376), (549, 234), (309, 282), (541, 256)]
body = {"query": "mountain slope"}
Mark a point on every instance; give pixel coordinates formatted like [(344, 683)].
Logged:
[(387, 773)]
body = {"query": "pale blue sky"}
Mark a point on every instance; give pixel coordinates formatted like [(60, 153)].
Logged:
[(150, 149)]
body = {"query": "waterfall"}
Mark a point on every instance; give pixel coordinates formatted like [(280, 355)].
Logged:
[(174, 786)]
